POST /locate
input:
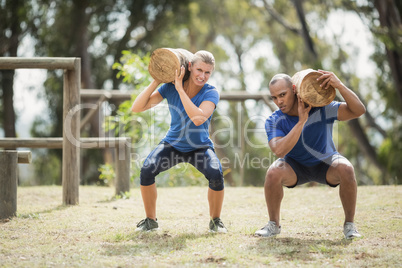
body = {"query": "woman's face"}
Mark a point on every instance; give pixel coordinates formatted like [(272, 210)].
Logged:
[(200, 72)]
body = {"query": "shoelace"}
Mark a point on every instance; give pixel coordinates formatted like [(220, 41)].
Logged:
[(143, 221), (269, 227), (218, 222), (351, 228)]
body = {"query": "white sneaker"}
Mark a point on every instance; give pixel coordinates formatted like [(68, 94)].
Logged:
[(271, 229), (350, 230)]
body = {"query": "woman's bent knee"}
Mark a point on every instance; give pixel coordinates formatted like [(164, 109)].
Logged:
[(215, 178), (147, 175), (217, 184)]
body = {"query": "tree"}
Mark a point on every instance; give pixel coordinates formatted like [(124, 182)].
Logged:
[(383, 18), (89, 31), (12, 29), (355, 125), (389, 15), (234, 37), (251, 41)]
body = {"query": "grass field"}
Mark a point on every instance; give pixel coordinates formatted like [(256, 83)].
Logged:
[(99, 232)]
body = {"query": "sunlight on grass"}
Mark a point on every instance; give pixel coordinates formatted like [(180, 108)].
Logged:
[(29, 216), (100, 230)]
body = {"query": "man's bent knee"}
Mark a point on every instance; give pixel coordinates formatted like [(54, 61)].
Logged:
[(347, 173), (273, 175), (342, 173), (280, 172)]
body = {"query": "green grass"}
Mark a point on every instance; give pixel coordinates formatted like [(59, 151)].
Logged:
[(99, 232)]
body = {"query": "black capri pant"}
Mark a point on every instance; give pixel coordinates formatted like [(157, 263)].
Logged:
[(164, 157)]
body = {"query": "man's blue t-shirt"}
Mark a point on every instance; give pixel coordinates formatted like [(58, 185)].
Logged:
[(315, 143), (183, 135)]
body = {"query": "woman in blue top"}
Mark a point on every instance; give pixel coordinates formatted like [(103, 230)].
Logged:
[(191, 105)]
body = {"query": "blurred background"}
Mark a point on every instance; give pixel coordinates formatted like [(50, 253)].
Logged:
[(360, 41)]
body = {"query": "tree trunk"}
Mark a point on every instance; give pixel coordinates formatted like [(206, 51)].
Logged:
[(354, 125), (80, 22), (7, 81), (305, 31), (221, 153), (390, 20), (81, 36), (366, 147)]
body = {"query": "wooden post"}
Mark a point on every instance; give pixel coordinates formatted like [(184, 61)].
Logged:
[(242, 144), (92, 112), (9, 180), (71, 134), (8, 183), (71, 113), (122, 167)]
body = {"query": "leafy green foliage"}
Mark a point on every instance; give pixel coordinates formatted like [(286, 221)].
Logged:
[(390, 154), (107, 174), (47, 168), (250, 45), (143, 128), (133, 68)]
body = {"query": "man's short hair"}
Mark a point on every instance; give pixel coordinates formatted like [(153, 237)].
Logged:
[(278, 77)]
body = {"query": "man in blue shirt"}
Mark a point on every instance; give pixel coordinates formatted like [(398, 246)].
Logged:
[(191, 105), (301, 136)]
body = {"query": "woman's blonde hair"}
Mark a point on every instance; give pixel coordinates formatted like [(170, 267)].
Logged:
[(204, 56)]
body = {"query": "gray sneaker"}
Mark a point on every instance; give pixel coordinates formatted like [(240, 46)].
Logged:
[(271, 229), (350, 231), (147, 225), (216, 226)]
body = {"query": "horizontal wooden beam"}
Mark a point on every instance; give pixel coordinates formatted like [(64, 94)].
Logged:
[(50, 143), (109, 94), (57, 143), (243, 95), (11, 63), (119, 95)]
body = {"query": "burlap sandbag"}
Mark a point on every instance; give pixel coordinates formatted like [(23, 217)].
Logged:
[(309, 88), (165, 61)]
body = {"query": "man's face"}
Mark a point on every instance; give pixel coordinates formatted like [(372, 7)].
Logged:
[(283, 95)]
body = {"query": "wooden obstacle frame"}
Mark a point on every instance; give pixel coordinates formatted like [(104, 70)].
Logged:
[(236, 96), (71, 143), (9, 180)]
